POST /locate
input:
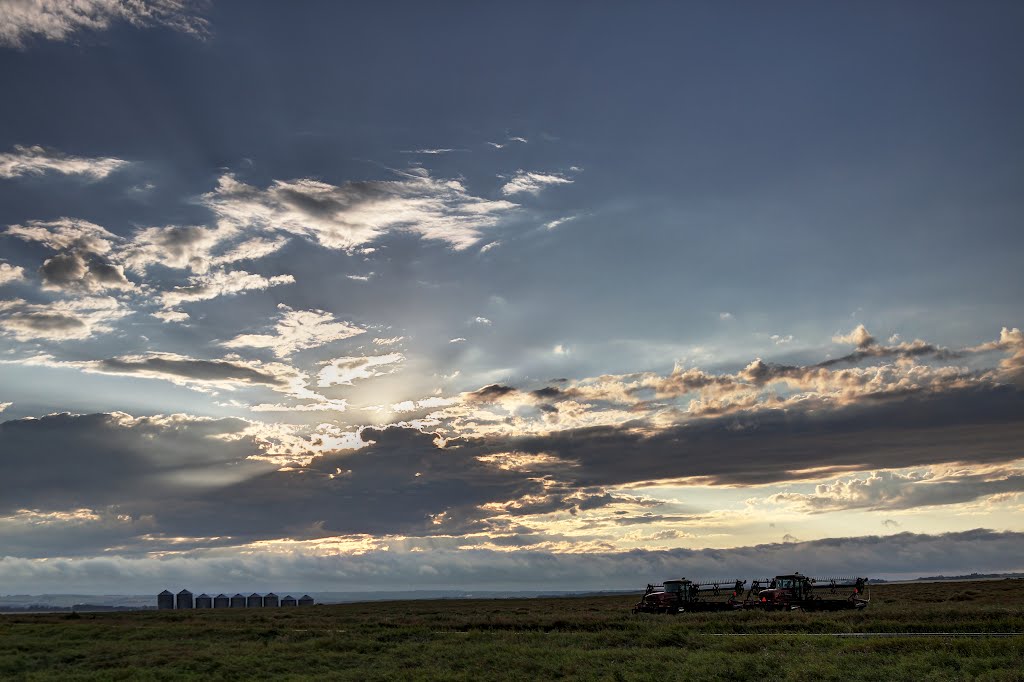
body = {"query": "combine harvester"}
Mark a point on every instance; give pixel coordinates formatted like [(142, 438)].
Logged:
[(677, 596), (799, 592)]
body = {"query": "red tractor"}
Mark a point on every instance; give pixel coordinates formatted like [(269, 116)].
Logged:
[(799, 592), (677, 596)]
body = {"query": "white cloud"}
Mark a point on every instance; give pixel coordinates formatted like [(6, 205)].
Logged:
[(488, 246), (36, 160), (221, 283), (60, 19), (298, 330), (560, 221), (482, 320), (4, 406), (531, 182), (74, 319), (432, 151), (11, 273), (725, 316), (355, 213), (343, 371), (170, 315), (781, 340), (390, 341), (859, 337), (458, 339), (66, 234)]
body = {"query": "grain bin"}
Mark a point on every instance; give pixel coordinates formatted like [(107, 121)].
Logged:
[(221, 601), (270, 601), (288, 600), (184, 600), (254, 601), (165, 600), (204, 601), (238, 601), (305, 600)]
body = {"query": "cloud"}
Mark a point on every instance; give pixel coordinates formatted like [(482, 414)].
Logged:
[(82, 260), (897, 490), (173, 246), (298, 330), (482, 321), (346, 370), (60, 320), (21, 20), (364, 566), (388, 341), (196, 248), (433, 151), (725, 316), (188, 371), (458, 339), (11, 273), (66, 234), (560, 221), (36, 160), (115, 459), (356, 213), (531, 182), (860, 337), (4, 406), (73, 271), (220, 283)]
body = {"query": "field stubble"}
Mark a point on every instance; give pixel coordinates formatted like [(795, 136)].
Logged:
[(579, 638)]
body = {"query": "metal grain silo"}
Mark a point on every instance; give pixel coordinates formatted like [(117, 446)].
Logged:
[(254, 601), (204, 601), (288, 600), (221, 601), (305, 600), (270, 601), (165, 600), (184, 600), (238, 601)]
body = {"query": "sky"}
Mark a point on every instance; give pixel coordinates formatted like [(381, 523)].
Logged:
[(343, 296)]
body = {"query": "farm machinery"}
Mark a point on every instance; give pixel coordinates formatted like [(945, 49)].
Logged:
[(677, 596), (800, 592), (782, 593)]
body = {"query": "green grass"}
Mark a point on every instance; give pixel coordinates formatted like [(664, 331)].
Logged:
[(585, 638)]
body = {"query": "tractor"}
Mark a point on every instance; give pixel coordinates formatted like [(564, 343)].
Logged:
[(799, 592), (677, 596)]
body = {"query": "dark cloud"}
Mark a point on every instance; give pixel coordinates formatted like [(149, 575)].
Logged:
[(491, 393), (981, 424), (891, 556), (546, 393), (62, 462), (165, 365)]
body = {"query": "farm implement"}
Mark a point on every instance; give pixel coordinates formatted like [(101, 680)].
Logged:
[(677, 596), (790, 592), (799, 592)]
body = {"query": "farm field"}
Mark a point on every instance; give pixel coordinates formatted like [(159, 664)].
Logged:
[(577, 638)]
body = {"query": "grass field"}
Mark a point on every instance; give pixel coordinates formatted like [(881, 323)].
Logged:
[(579, 638)]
